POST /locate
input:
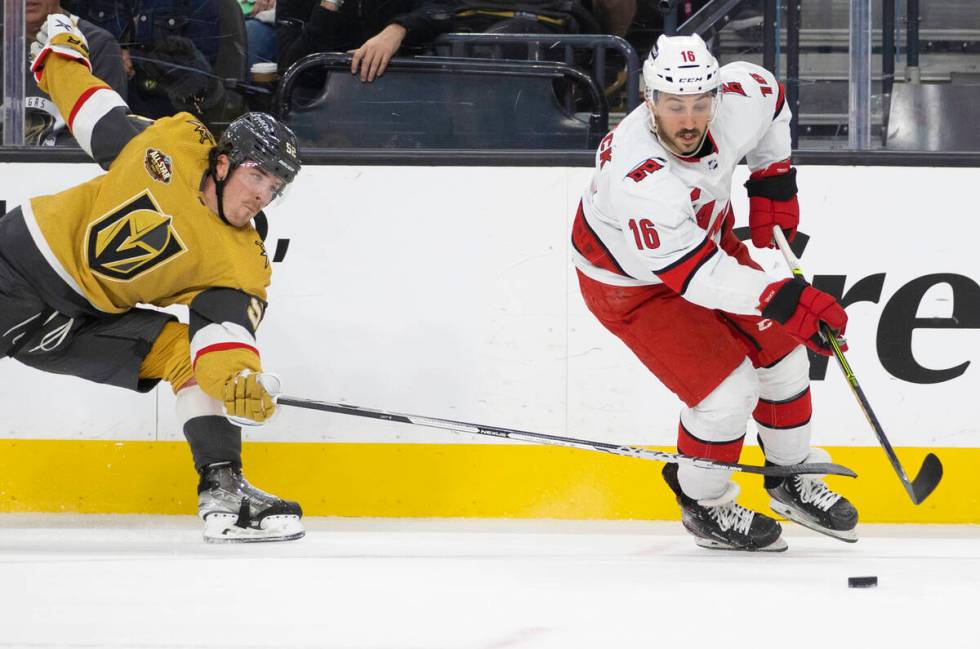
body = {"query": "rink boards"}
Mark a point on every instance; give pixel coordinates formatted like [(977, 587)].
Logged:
[(448, 292)]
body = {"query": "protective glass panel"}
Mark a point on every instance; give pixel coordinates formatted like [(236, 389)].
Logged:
[(161, 58), (218, 59)]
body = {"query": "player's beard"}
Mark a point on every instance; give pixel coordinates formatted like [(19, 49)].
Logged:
[(675, 142)]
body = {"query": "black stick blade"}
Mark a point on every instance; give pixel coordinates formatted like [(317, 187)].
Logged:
[(928, 479), (817, 468), (784, 470)]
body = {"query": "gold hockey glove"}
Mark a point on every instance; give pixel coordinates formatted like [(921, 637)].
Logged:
[(250, 398)]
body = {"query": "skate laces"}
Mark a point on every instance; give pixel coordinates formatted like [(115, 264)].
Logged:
[(726, 512), (732, 516), (814, 491)]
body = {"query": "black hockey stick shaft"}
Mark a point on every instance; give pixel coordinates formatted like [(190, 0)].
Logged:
[(569, 442), (931, 471)]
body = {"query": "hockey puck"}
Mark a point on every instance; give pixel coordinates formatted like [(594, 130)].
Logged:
[(862, 582)]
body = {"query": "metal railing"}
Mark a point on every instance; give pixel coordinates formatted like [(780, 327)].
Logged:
[(598, 118), (539, 44)]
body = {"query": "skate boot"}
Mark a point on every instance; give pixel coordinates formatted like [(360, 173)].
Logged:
[(234, 511), (806, 500), (722, 524)]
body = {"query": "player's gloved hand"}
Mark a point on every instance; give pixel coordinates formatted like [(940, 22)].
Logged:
[(59, 34), (772, 201), (801, 309), (250, 398)]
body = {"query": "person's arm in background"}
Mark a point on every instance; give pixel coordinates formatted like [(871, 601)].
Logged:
[(419, 23)]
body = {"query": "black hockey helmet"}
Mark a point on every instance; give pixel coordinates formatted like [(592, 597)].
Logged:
[(264, 140)]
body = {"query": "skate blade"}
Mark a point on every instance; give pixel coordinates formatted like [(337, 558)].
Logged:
[(221, 528), (847, 536), (779, 545)]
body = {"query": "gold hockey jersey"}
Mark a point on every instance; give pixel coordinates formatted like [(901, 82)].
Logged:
[(141, 233)]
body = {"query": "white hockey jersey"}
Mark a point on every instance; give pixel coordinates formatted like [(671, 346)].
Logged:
[(651, 217)]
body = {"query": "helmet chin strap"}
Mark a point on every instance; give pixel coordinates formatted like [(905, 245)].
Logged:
[(219, 191)]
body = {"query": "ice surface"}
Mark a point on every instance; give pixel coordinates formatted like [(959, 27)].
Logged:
[(144, 581)]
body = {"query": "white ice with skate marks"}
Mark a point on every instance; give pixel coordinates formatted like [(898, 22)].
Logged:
[(150, 583)]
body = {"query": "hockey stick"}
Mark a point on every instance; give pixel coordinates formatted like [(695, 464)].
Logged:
[(931, 471), (554, 440)]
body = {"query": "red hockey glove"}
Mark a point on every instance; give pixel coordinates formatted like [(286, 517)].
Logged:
[(772, 201), (801, 309)]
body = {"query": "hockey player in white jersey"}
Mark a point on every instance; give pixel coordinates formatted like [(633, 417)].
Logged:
[(659, 266)]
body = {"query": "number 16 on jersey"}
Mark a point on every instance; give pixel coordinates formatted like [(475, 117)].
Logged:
[(644, 234)]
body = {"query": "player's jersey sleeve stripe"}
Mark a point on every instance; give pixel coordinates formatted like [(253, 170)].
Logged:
[(84, 97), (93, 104), (777, 168), (223, 347), (589, 245), (780, 100), (225, 336), (678, 274)]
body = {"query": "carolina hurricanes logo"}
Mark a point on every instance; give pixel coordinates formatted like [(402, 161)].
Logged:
[(132, 240), (646, 168), (704, 211)]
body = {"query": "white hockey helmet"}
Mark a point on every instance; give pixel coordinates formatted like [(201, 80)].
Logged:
[(680, 65)]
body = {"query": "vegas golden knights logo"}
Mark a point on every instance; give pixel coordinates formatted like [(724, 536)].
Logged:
[(133, 239)]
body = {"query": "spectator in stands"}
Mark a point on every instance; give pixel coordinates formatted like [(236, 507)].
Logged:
[(160, 36), (260, 23), (43, 123), (372, 30)]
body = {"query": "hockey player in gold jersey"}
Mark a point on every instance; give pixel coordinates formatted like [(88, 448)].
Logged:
[(170, 222)]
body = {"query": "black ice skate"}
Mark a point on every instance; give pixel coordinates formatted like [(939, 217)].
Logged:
[(723, 524), (236, 512), (806, 500)]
